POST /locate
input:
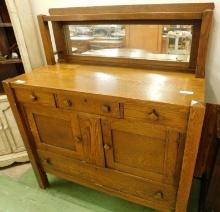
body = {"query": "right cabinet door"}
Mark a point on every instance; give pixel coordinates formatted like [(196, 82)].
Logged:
[(141, 149)]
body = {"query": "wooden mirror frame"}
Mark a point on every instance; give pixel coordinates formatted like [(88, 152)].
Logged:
[(199, 15)]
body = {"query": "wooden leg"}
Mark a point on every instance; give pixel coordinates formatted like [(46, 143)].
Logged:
[(26, 136), (194, 129)]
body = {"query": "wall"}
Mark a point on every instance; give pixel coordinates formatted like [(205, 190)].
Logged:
[(213, 60)]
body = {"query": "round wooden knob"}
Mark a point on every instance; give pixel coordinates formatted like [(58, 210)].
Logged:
[(106, 147), (159, 195), (33, 97), (68, 103), (153, 115), (78, 139), (48, 161), (106, 108)]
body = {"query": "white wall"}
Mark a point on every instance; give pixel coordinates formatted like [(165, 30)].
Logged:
[(213, 62)]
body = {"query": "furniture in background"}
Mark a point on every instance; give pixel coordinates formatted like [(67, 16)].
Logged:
[(11, 145), (208, 161), (130, 131), (213, 192), (10, 60), (16, 28)]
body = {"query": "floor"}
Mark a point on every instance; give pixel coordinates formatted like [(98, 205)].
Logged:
[(15, 171), (19, 192)]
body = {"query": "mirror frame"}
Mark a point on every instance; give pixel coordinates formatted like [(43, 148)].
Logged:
[(199, 15)]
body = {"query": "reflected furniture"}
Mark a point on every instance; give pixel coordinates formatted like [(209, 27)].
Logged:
[(124, 126)]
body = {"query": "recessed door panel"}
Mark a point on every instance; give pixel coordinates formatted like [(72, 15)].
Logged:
[(57, 131), (130, 149), (145, 150)]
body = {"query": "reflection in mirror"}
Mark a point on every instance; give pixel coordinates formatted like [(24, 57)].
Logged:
[(150, 42)]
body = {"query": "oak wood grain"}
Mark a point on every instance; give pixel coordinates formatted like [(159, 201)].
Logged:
[(180, 7), (197, 15), (203, 42), (195, 123), (112, 83), (26, 136), (46, 39), (132, 186)]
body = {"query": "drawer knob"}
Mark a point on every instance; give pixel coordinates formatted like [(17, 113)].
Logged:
[(106, 108), (106, 147), (153, 115), (48, 161), (78, 139), (33, 97), (68, 103), (159, 195)]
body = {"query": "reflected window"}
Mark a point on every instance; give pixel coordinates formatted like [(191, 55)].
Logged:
[(150, 42)]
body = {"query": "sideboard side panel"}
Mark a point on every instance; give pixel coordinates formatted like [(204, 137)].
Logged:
[(39, 172), (197, 111)]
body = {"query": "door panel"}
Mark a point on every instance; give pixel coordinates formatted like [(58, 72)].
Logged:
[(56, 131), (140, 157), (145, 150), (53, 134)]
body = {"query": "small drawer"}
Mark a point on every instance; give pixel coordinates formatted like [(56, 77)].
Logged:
[(89, 104), (34, 97), (158, 113)]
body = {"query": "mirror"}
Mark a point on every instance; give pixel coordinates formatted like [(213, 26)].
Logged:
[(137, 41)]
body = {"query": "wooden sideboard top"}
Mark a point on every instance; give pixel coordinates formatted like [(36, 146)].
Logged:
[(148, 85)]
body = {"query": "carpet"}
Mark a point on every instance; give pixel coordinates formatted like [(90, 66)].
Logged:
[(24, 195)]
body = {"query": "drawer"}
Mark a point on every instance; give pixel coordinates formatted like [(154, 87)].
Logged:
[(89, 104), (151, 193), (35, 97), (158, 113)]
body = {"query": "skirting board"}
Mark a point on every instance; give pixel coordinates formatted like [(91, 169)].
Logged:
[(6, 160)]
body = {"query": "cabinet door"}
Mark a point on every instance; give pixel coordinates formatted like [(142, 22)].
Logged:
[(56, 131), (145, 150)]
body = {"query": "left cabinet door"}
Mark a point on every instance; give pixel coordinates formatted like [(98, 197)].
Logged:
[(56, 131)]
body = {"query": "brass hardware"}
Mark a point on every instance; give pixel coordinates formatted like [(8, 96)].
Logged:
[(159, 195), (106, 147), (106, 108), (68, 103), (33, 97), (153, 115), (78, 139)]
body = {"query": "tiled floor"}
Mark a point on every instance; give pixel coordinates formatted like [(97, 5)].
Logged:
[(15, 171)]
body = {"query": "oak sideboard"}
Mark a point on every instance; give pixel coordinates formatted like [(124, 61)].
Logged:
[(126, 126)]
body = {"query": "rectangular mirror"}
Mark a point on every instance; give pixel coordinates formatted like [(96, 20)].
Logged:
[(136, 41)]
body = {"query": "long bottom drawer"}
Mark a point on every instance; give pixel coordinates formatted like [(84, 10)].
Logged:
[(139, 190)]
